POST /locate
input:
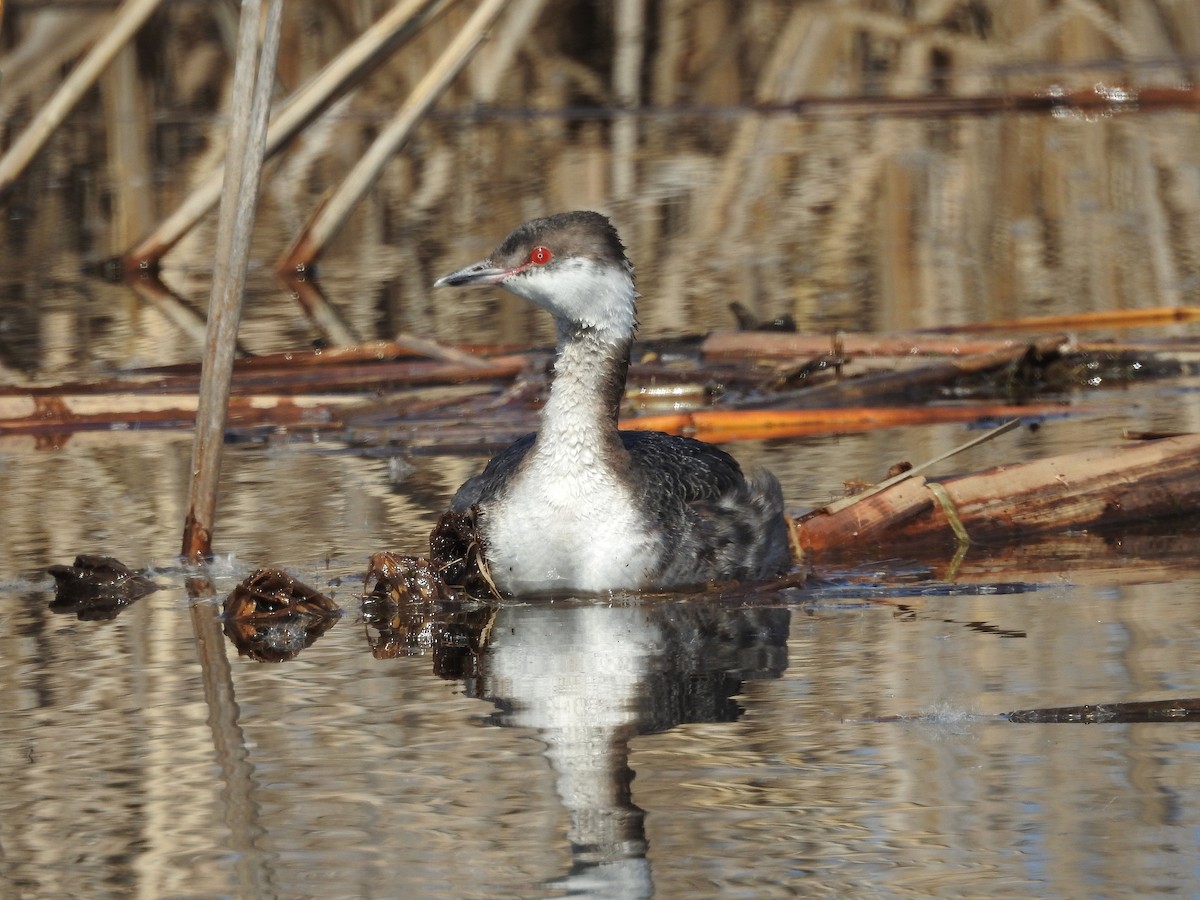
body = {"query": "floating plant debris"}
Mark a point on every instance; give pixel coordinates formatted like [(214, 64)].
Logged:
[(97, 587), (271, 616)]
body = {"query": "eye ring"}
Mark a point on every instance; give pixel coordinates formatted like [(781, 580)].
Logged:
[(539, 256)]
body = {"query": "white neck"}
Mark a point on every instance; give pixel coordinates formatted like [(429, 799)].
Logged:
[(585, 395)]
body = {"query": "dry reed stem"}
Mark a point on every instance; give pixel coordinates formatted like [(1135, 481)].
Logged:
[(125, 24), (158, 296), (324, 316), (627, 80), (242, 816), (128, 155), (302, 107), (254, 78), (54, 39), (330, 217), (495, 60)]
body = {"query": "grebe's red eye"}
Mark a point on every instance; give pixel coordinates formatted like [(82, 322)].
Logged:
[(539, 256)]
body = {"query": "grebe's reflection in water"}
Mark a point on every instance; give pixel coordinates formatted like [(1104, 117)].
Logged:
[(589, 678)]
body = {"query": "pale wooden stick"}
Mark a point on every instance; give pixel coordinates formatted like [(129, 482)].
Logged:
[(247, 136), (305, 105), (627, 85), (126, 22), (333, 214)]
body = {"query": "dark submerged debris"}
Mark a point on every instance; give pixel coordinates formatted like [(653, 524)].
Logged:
[(1043, 371), (1187, 710), (414, 612), (453, 633), (748, 321), (456, 548), (456, 564), (97, 588), (404, 579), (271, 616), (808, 372)]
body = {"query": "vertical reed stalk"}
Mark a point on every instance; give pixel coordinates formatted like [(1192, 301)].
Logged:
[(239, 803), (627, 85), (251, 102), (127, 130)]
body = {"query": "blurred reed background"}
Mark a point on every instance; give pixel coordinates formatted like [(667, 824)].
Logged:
[(855, 214)]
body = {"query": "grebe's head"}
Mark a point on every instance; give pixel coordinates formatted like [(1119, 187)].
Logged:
[(572, 265)]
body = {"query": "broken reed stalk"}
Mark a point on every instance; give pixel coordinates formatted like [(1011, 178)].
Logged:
[(331, 215), (352, 64), (125, 24), (1105, 318), (250, 106), (1148, 480)]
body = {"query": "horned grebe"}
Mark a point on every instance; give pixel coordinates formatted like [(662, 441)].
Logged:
[(580, 505)]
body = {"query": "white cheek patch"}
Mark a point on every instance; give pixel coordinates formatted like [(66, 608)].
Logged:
[(583, 293)]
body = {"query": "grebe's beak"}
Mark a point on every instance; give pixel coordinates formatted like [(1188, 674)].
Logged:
[(482, 272)]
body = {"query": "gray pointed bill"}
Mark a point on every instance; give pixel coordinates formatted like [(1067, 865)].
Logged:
[(482, 272)]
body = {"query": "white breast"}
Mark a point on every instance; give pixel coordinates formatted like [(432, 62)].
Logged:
[(567, 523)]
